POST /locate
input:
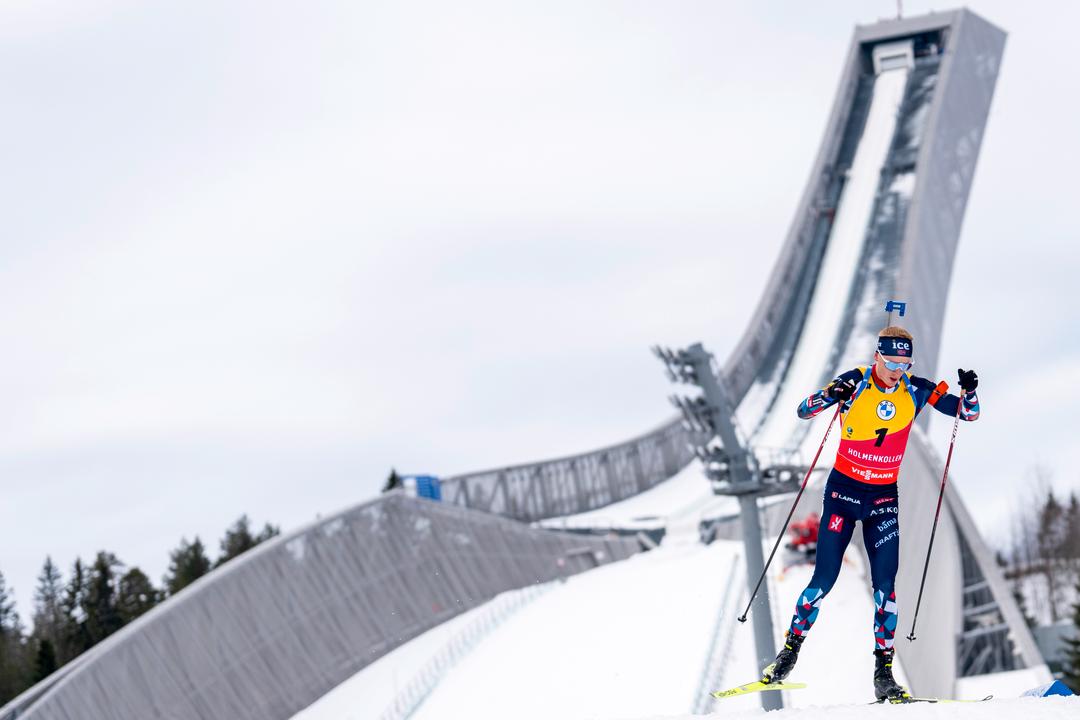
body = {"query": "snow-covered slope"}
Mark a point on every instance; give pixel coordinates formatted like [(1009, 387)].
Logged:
[(628, 640), (1052, 708), (623, 640)]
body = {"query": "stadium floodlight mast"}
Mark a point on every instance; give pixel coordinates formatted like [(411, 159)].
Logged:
[(732, 470)]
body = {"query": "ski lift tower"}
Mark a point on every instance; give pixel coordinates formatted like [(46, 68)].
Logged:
[(732, 470)]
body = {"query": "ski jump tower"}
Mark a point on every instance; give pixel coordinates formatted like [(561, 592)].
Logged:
[(272, 631), (879, 219)]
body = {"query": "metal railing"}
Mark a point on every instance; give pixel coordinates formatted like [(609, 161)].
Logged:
[(723, 638), (491, 618), (575, 484)]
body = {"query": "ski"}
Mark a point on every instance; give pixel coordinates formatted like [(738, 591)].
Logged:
[(756, 687), (904, 700)]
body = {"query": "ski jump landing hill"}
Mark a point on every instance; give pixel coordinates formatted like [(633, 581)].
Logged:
[(271, 632)]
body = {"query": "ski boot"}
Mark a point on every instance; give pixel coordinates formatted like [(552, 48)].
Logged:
[(785, 659), (885, 686)]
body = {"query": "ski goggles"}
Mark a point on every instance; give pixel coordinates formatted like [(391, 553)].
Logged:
[(905, 366)]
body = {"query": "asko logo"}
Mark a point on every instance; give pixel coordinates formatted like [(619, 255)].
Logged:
[(882, 501), (836, 523)]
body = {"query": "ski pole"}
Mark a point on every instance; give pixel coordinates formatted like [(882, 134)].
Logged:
[(839, 406), (937, 513)]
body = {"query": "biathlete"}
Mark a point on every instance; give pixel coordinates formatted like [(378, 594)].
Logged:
[(880, 403)]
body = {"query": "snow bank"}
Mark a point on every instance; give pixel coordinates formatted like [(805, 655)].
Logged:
[(1003, 684), (1051, 708)]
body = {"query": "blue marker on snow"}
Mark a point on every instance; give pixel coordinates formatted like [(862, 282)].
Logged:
[(901, 307)]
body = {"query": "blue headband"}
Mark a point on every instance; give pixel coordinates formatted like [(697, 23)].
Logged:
[(895, 346)]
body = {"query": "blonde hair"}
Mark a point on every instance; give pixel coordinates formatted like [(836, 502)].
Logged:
[(895, 331)]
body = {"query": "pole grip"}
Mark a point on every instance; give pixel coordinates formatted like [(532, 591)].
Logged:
[(938, 392)]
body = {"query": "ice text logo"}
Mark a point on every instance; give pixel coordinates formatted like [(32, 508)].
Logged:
[(882, 501)]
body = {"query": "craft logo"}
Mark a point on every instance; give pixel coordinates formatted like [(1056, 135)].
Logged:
[(836, 523), (886, 538), (886, 410)]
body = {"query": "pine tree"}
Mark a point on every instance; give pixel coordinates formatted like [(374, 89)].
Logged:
[(1072, 529), (75, 636), (44, 660), (48, 613), (1072, 650), (238, 540), (102, 616), (1070, 549), (135, 595), (267, 532), (9, 618), (393, 481), (1050, 540), (13, 672), (187, 564)]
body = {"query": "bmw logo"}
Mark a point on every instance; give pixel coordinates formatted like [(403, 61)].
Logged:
[(886, 410)]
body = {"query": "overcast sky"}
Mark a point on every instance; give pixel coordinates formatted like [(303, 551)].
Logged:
[(253, 254)]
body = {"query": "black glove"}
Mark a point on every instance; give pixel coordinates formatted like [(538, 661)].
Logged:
[(968, 380), (841, 390)]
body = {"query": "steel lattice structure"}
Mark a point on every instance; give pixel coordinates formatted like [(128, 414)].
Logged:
[(575, 484)]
